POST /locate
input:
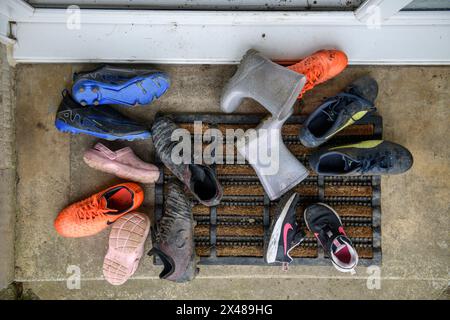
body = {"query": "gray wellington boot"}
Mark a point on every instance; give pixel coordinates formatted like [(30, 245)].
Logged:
[(277, 168), (275, 87), (175, 238)]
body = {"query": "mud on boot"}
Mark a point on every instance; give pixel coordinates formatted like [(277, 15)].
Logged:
[(199, 179), (174, 243)]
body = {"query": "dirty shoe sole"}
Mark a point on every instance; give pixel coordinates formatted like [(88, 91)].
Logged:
[(126, 246), (139, 90)]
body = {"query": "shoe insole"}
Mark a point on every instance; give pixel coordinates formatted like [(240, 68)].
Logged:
[(319, 126), (336, 163), (202, 182), (343, 254), (119, 199)]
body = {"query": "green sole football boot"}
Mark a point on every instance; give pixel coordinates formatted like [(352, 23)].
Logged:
[(371, 157), (339, 112)]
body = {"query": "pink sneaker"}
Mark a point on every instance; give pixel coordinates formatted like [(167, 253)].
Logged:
[(126, 246), (122, 163)]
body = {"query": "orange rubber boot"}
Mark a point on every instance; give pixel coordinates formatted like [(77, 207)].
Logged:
[(92, 215), (320, 67)]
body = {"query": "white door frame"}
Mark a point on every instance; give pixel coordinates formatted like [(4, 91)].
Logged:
[(158, 36), (380, 10)]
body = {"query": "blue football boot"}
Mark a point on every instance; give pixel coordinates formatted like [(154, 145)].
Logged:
[(114, 85), (101, 122)]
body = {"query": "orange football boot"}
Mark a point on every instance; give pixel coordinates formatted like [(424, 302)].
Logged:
[(320, 67), (92, 215)]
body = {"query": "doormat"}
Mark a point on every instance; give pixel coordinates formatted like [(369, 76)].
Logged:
[(234, 232)]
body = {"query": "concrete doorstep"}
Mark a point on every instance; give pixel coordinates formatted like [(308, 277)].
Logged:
[(7, 170), (51, 174)]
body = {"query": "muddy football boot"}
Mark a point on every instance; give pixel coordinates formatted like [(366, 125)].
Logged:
[(199, 179), (174, 243), (339, 112), (101, 122), (372, 157), (285, 233), (327, 227), (114, 85)]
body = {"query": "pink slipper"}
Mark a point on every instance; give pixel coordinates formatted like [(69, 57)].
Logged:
[(126, 247), (122, 163)]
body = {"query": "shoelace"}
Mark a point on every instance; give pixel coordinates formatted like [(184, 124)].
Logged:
[(312, 76), (335, 105), (382, 160), (325, 234), (89, 209)]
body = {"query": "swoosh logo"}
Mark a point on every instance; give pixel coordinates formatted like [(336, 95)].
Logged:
[(286, 229)]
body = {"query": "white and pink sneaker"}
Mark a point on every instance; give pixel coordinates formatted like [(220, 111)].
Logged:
[(126, 247), (123, 163)]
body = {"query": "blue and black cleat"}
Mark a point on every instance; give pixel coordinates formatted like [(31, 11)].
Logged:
[(114, 85), (101, 122)]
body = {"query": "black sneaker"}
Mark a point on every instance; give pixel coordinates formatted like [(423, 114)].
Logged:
[(327, 227), (372, 157), (199, 179), (285, 233), (102, 122), (339, 112), (174, 243)]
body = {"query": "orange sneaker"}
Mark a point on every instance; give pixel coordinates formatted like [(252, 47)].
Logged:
[(320, 67), (92, 215)]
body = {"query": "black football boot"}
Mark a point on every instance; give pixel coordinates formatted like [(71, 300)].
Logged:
[(371, 157), (339, 112), (174, 243), (199, 179), (101, 122)]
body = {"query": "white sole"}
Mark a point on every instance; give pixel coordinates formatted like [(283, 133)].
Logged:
[(340, 221), (271, 252)]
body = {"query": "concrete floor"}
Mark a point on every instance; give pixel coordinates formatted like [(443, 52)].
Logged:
[(414, 103)]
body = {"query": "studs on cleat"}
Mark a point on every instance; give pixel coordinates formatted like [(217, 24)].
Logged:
[(81, 90), (94, 89), (96, 103), (83, 103), (140, 85)]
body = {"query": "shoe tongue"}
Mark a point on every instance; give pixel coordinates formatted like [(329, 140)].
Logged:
[(103, 204), (341, 250), (349, 164), (198, 174), (338, 244)]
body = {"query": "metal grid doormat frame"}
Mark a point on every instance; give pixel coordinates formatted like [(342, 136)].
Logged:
[(245, 119)]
